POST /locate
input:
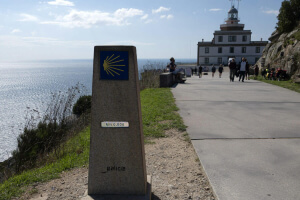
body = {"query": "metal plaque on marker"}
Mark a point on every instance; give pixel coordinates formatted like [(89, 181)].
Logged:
[(114, 124)]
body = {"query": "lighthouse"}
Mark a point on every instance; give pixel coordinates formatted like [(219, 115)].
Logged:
[(231, 41)]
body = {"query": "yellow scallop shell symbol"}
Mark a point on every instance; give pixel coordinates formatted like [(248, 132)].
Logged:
[(110, 65)]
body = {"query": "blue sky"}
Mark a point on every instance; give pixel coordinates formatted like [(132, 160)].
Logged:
[(62, 29)]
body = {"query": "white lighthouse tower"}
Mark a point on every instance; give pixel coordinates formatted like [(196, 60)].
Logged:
[(231, 41)]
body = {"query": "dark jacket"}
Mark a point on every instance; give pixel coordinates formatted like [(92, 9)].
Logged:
[(247, 67), (172, 66), (256, 70), (232, 65), (220, 69), (200, 69), (213, 69)]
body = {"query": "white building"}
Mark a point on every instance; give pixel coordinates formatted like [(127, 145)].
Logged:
[(232, 41)]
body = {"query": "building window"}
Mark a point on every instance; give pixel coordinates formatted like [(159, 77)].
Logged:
[(231, 38), (220, 60), (257, 50), (220, 39), (206, 60), (231, 50), (220, 50), (243, 49), (256, 59), (244, 38), (206, 49)]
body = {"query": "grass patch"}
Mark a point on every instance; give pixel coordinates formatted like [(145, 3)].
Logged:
[(285, 84), (158, 112), (186, 137), (16, 185)]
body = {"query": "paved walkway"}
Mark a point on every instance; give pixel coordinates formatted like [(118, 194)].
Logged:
[(247, 136)]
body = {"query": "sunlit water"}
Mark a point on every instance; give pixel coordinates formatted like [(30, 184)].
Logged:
[(30, 85)]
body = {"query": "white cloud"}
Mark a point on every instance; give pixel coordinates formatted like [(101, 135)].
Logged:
[(166, 16), (28, 18), (215, 9), (272, 12), (124, 12), (61, 3), (15, 31), (144, 17), (87, 19), (170, 16), (17, 41), (148, 21), (160, 9)]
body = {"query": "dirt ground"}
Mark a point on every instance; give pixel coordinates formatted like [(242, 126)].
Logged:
[(171, 161)]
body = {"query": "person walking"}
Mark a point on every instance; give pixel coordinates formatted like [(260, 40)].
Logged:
[(200, 71), (213, 70), (243, 69), (232, 68), (256, 70), (220, 70), (247, 75)]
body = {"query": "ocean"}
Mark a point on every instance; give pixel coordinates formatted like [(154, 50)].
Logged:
[(28, 86)]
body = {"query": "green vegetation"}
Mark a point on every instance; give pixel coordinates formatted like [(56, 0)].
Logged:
[(149, 77), (158, 112), (289, 16), (77, 154), (285, 84), (82, 105), (42, 136), (296, 35)]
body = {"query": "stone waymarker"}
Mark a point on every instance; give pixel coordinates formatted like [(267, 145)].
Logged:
[(117, 167)]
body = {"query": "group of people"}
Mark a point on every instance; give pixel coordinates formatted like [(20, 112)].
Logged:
[(273, 74), (241, 71), (213, 70)]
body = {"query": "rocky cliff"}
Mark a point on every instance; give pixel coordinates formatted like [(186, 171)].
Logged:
[(283, 52)]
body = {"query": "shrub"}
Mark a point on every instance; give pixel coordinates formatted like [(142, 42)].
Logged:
[(296, 35), (82, 105), (150, 75), (49, 134)]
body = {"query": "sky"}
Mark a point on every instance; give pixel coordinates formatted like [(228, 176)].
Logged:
[(69, 29)]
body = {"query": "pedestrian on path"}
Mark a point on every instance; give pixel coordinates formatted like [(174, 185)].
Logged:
[(200, 71), (213, 70), (247, 75), (256, 70), (243, 69), (232, 68), (220, 70)]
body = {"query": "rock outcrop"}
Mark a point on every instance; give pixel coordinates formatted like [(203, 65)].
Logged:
[(283, 52)]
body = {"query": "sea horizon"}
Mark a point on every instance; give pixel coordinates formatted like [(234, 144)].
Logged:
[(30, 84)]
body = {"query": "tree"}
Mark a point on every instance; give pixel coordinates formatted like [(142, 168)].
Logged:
[(286, 18), (296, 7), (82, 105)]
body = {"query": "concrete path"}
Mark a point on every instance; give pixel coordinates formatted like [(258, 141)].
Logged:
[(246, 134)]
